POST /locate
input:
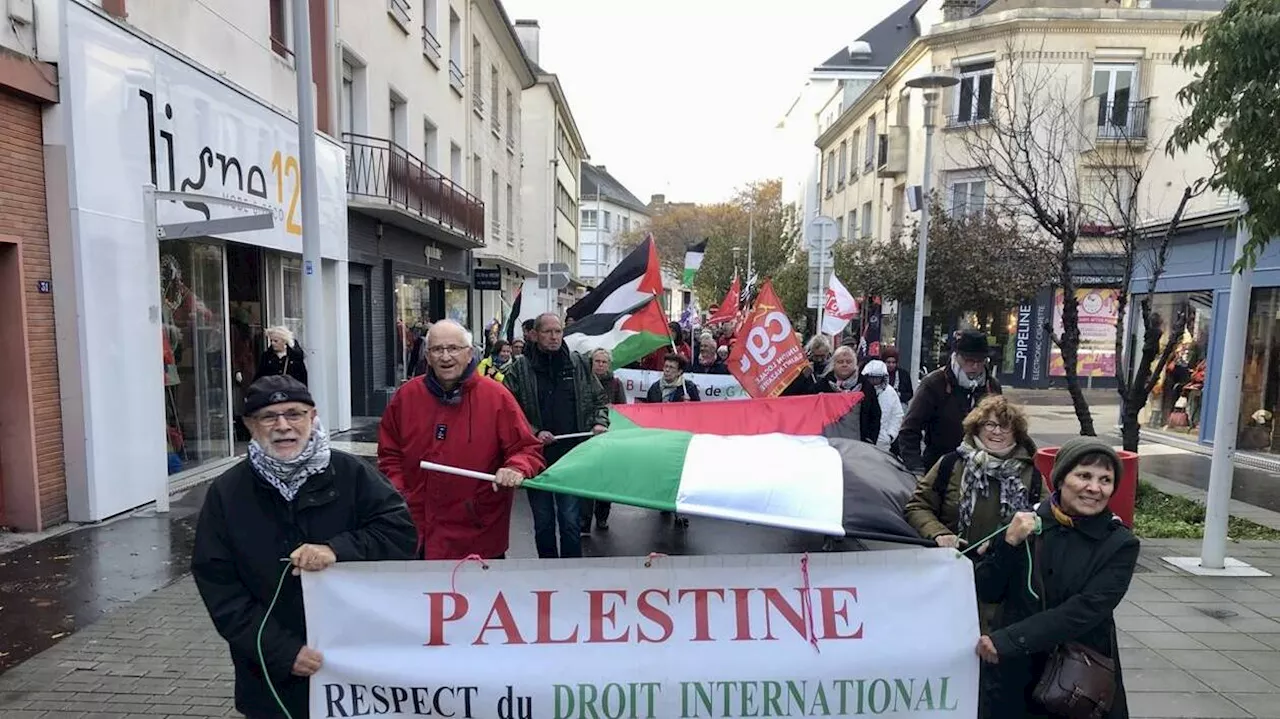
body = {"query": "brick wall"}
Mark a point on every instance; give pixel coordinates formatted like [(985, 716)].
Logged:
[(22, 214)]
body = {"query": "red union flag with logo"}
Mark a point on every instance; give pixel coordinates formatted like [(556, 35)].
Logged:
[(766, 355)]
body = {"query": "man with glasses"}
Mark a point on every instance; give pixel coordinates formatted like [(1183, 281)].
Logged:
[(560, 395), (455, 416), (942, 401), (293, 501)]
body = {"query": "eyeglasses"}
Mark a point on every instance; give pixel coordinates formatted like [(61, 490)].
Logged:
[(996, 427), (294, 417), (451, 350)]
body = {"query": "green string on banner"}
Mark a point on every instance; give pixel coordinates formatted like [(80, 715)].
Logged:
[(1026, 545), (262, 628)]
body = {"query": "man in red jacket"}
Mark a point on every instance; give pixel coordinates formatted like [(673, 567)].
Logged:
[(454, 416)]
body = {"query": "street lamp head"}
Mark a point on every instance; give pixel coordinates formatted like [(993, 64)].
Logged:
[(932, 81)]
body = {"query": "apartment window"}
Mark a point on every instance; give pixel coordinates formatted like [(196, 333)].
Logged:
[(431, 30), (496, 183), (589, 219), (839, 228), (566, 204), (626, 224), (494, 89), (281, 24), (904, 109), (844, 159), (1107, 195), (511, 215), (396, 120), (347, 99), (511, 122), (869, 150), (853, 153), (853, 224), (898, 210), (477, 64), (973, 96), (455, 51), (477, 171), (1114, 86), (399, 12), (831, 171), (455, 164), (430, 144), (968, 196), (866, 219)]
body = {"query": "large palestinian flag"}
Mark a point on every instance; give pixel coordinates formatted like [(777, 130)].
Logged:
[(637, 278), (788, 462), (629, 336)]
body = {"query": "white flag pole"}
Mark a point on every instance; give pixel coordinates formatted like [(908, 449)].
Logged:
[(449, 469)]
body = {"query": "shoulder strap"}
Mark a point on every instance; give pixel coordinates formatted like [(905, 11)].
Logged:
[(1037, 485), (945, 469)]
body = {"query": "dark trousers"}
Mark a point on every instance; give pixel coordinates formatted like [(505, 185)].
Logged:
[(550, 509), (589, 508)]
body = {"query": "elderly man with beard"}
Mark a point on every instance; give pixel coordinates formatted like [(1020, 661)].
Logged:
[(292, 500), (942, 401), (455, 416)]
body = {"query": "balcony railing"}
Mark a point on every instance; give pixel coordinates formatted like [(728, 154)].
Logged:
[(455, 76), (430, 45), (379, 169), (399, 9), (1123, 120)]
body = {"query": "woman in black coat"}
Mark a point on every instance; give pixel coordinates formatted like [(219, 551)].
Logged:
[(283, 356), (1083, 560)]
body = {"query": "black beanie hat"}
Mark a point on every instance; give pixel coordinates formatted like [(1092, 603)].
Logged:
[(274, 389), (972, 343), (1074, 449)]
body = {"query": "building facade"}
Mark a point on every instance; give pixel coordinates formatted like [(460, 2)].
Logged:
[(1114, 59), (609, 212), (32, 476), (159, 337), (553, 155), (429, 109)]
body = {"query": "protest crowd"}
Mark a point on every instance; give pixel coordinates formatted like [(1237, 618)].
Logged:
[(1050, 562)]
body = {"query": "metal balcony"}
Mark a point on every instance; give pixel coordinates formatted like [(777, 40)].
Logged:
[(431, 46), (1121, 121), (455, 77), (388, 182)]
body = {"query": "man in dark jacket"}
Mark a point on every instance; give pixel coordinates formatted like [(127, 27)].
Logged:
[(560, 395), (292, 500), (943, 399)]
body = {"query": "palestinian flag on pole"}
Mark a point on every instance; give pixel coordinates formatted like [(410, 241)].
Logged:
[(789, 462), (693, 261), (637, 278), (512, 328), (629, 336)]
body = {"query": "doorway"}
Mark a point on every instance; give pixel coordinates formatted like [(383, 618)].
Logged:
[(358, 308), (246, 277)]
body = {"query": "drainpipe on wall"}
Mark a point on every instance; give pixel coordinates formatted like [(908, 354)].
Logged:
[(335, 68)]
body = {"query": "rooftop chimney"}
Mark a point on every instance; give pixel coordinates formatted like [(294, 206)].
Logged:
[(958, 9), (527, 31), (602, 170), (655, 200)]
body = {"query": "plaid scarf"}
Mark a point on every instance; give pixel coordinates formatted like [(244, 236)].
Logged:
[(289, 475), (981, 468)]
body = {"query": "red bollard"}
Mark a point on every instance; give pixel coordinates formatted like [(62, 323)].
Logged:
[(1126, 494)]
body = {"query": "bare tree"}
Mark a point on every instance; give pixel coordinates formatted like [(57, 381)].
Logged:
[(1072, 166)]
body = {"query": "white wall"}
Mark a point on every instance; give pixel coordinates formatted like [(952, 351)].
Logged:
[(492, 146), (598, 251), (538, 184)]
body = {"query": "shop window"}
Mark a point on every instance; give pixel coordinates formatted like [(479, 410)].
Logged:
[(1260, 391), (455, 303), (193, 330), (284, 294), (413, 319), (1175, 403)]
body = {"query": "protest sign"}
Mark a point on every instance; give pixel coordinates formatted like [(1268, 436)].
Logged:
[(889, 633), (711, 387), (767, 356)]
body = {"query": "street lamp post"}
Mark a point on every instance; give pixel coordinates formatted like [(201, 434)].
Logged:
[(931, 84), (736, 252), (313, 324)]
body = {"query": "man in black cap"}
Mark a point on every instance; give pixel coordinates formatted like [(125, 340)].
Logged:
[(943, 399), (292, 500)]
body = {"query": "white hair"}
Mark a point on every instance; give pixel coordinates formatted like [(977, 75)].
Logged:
[(598, 350), (466, 333), (284, 333)]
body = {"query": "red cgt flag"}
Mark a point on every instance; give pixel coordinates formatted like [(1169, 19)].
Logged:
[(766, 356), (728, 309)]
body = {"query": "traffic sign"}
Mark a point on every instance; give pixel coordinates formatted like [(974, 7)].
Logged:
[(823, 234)]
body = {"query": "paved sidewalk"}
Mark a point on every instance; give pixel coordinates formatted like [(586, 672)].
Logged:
[(1191, 647)]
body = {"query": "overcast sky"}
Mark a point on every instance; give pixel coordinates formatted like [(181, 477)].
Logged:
[(681, 96)]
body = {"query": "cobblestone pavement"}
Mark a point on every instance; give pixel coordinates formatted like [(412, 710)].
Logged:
[(1191, 647)]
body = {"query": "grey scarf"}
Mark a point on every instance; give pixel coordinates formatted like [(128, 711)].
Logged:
[(671, 390), (963, 380), (288, 476), (981, 468)]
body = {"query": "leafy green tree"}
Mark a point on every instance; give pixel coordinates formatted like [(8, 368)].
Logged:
[(1235, 108)]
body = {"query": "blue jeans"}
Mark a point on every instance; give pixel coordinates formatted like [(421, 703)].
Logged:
[(550, 508)]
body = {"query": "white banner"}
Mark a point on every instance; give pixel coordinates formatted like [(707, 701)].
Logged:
[(714, 387), (709, 636)]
